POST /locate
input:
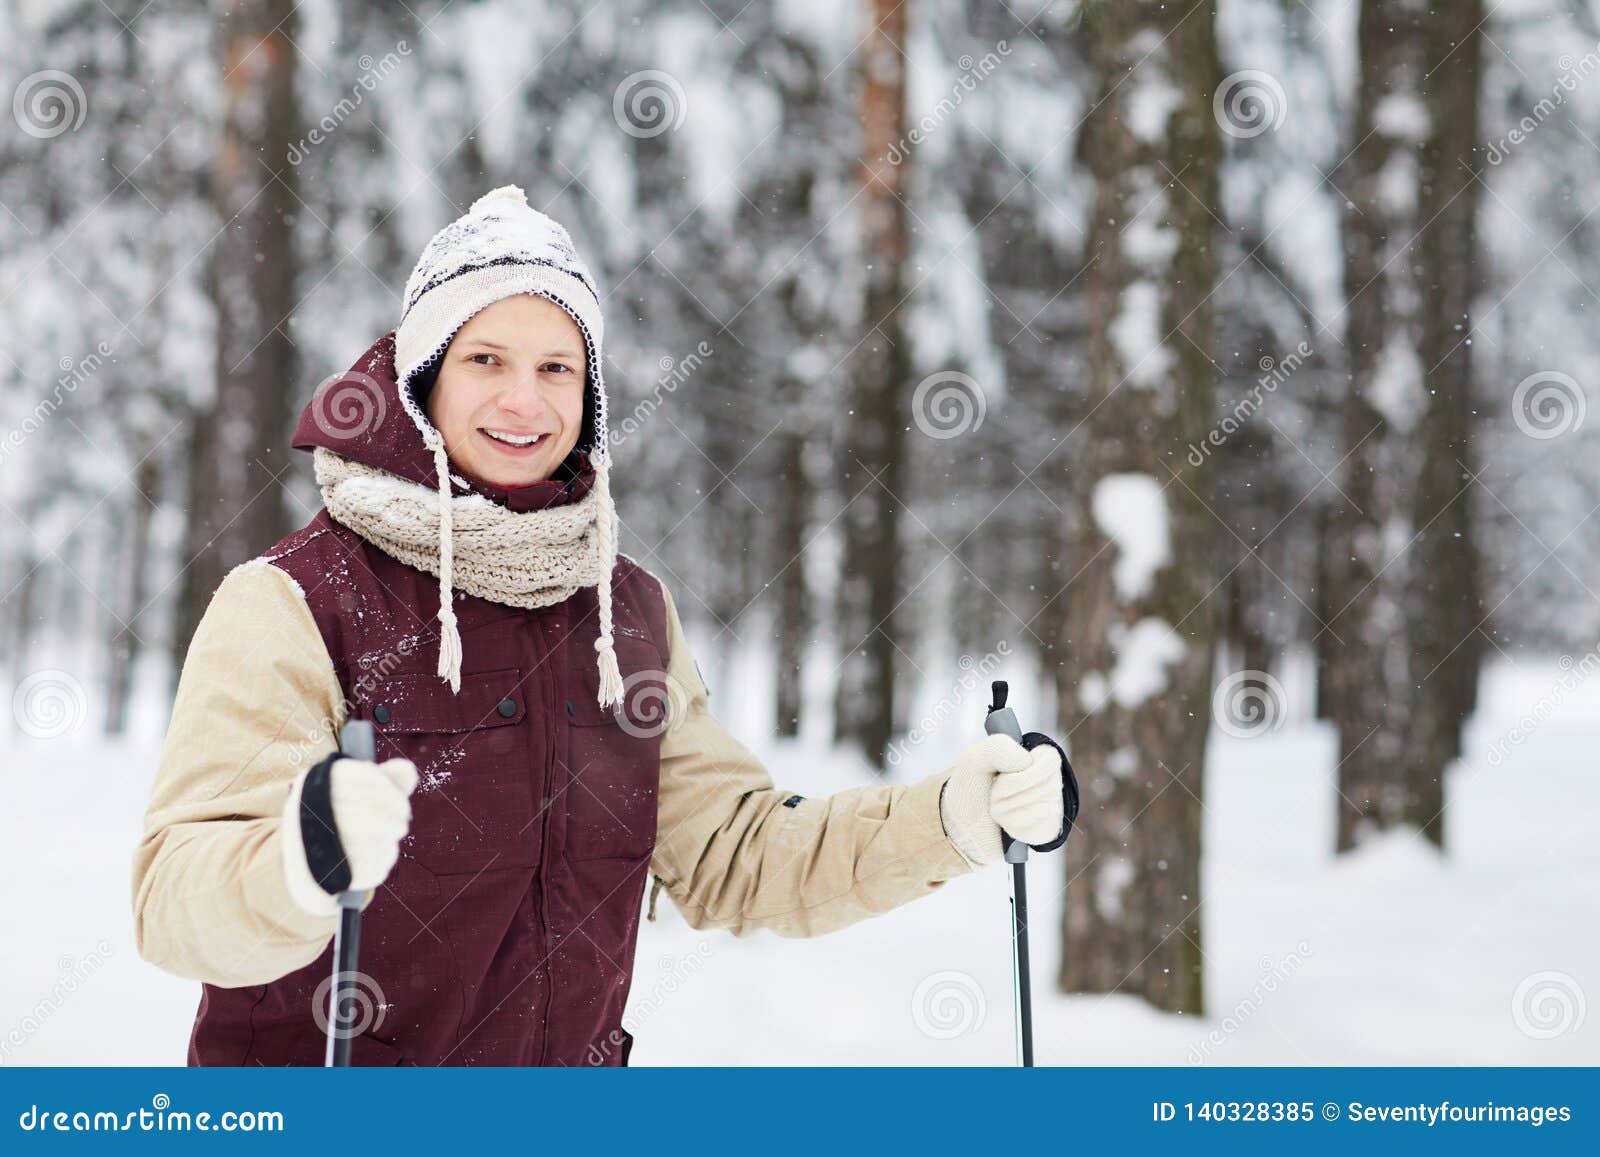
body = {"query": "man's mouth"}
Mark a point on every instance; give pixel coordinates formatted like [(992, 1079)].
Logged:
[(514, 443)]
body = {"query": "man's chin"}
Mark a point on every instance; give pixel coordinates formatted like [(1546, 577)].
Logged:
[(496, 474)]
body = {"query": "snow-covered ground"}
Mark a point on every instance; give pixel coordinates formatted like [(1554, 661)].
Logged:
[(1486, 955)]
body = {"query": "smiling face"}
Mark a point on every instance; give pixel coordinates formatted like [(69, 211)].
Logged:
[(509, 396)]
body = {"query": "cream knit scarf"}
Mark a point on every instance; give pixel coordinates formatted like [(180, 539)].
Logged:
[(533, 558)]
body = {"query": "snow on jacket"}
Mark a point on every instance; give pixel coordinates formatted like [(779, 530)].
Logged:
[(506, 932)]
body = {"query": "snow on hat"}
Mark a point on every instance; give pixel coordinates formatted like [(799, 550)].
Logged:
[(501, 247)]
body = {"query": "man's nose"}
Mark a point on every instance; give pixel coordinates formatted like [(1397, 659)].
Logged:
[(525, 398)]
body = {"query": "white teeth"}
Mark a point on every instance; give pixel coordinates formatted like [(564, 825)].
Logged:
[(514, 439)]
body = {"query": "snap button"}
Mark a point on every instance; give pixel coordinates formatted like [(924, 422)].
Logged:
[(507, 708), (381, 713)]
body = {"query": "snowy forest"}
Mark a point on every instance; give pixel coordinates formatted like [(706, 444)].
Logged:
[(1216, 372)]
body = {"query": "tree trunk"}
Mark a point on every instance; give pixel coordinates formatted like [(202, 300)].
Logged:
[(125, 641), (1364, 696), (874, 465), (1141, 629), (238, 452), (1243, 631), (794, 599), (1447, 607), (22, 604)]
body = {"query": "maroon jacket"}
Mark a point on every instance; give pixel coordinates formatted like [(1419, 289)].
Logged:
[(505, 934)]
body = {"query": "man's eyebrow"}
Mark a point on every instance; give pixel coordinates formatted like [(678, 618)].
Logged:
[(486, 343)]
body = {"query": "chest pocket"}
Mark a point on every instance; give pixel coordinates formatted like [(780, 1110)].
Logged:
[(612, 769), (474, 807)]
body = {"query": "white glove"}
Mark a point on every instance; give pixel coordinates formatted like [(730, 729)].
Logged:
[(371, 812), (997, 784)]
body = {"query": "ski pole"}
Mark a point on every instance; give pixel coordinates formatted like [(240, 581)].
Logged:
[(1001, 720), (357, 740)]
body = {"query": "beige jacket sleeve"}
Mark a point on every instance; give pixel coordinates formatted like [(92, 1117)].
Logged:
[(730, 853), (258, 702)]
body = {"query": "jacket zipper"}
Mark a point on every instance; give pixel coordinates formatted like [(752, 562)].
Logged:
[(557, 735)]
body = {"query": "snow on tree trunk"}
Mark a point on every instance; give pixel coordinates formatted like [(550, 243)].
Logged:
[(1365, 695), (874, 467), (1140, 624), (238, 453), (1447, 602)]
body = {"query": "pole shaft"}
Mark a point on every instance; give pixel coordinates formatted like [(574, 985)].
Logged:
[(359, 740), (1019, 915), (346, 945)]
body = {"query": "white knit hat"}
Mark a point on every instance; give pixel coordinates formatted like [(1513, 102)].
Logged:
[(500, 248)]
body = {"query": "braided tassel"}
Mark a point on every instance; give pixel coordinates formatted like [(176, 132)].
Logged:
[(449, 633), (606, 531)]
